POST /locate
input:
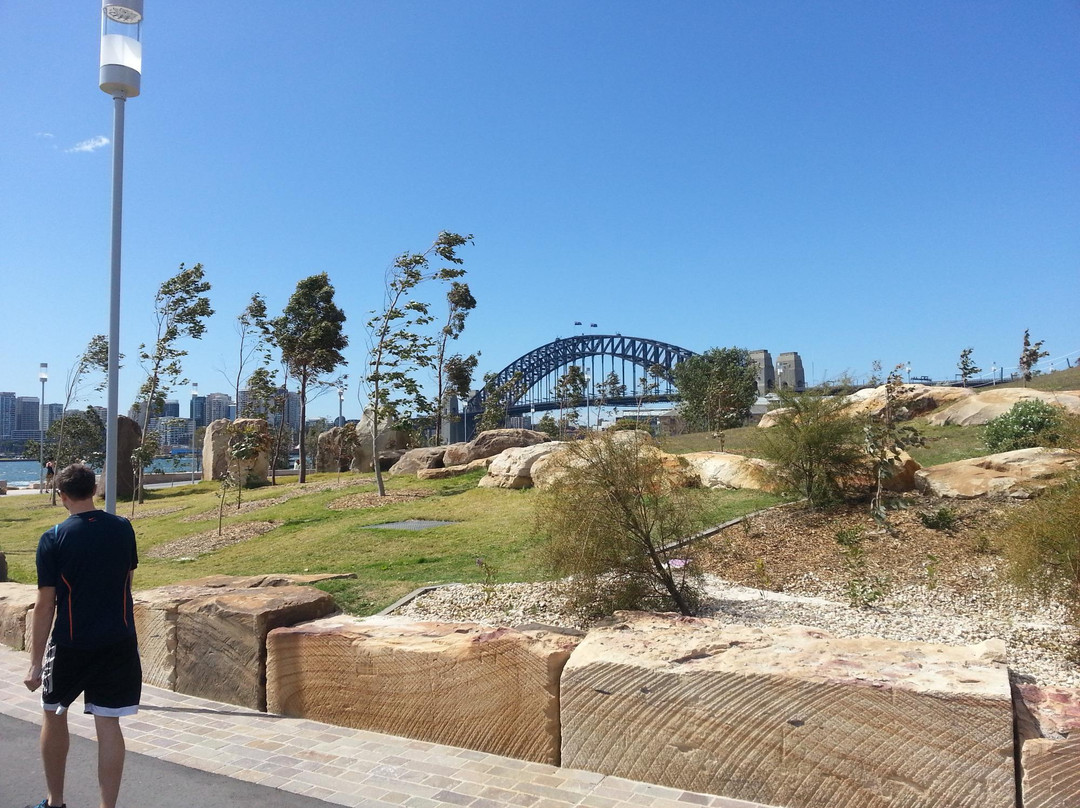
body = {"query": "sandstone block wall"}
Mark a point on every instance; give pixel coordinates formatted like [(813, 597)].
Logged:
[(16, 609), (1048, 729), (790, 717), (494, 690)]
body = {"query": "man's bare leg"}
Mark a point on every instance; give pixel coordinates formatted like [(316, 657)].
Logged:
[(55, 741), (110, 758)]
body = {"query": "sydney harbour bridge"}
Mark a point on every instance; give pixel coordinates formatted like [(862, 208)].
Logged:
[(632, 359)]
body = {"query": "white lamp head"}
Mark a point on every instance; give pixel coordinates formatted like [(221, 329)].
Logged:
[(121, 49), (43, 374)]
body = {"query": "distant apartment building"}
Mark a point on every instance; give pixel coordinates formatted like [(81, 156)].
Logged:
[(7, 415), (247, 406), (53, 413), (197, 412), (27, 414), (217, 406), (171, 409)]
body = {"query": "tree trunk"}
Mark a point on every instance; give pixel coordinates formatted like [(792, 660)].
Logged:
[(303, 425)]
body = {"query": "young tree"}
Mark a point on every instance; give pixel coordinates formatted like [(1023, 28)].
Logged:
[(648, 385), (254, 331), (458, 372), (399, 346), (967, 366), (310, 335), (498, 399), (94, 358), (1030, 356), (459, 302), (716, 388), (570, 392), (885, 439), (180, 310), (610, 388)]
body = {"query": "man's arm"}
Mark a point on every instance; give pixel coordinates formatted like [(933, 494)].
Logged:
[(44, 611)]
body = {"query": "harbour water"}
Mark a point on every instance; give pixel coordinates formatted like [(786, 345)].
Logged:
[(21, 473)]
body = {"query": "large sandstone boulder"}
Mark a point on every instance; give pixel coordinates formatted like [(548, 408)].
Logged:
[(329, 456), (1048, 729), (549, 468), (221, 639), (216, 462), (128, 438), (989, 404), (426, 457), (493, 690), (491, 443), (388, 442), (16, 610), (725, 470), (1020, 474), (453, 471), (513, 467), (914, 400), (790, 716)]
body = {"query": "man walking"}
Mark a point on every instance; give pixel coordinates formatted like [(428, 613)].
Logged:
[(84, 568)]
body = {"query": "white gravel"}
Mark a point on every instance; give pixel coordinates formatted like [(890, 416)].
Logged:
[(1036, 634)]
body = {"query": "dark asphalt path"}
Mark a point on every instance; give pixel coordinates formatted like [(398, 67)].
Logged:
[(147, 781)]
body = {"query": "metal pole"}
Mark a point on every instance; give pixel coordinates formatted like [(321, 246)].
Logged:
[(112, 426), (41, 441)]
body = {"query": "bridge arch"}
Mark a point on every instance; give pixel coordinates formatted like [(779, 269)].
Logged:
[(599, 354)]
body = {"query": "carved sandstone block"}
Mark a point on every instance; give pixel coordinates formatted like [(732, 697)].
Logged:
[(1048, 727), (221, 639), (790, 716), (16, 606), (493, 690)]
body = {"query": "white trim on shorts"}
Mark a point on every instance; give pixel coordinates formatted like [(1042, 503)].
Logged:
[(110, 712)]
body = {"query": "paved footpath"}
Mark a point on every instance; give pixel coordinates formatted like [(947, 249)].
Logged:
[(322, 762)]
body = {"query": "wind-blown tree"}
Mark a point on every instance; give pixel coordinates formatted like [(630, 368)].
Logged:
[(459, 302), (458, 372), (254, 331), (498, 399), (309, 333), (267, 399), (1030, 356), (180, 310), (967, 366), (570, 392), (610, 388), (399, 345), (84, 441), (716, 388), (94, 358)]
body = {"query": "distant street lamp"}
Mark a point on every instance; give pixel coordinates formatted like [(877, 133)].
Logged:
[(43, 375), (993, 374), (909, 373), (191, 412), (119, 75), (340, 405)]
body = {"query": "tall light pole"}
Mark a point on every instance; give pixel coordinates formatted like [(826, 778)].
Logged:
[(191, 412), (993, 375), (43, 375), (340, 405), (119, 76)]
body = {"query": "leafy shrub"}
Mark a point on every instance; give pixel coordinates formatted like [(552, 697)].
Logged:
[(816, 449), (941, 519), (613, 522), (1028, 423)]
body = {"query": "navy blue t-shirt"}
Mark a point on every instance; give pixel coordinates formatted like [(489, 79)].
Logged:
[(88, 558)]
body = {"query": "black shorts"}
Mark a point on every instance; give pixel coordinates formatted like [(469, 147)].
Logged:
[(109, 678)]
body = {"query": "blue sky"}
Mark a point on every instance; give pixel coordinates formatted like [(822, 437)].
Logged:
[(851, 180)]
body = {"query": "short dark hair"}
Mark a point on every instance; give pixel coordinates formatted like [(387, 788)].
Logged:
[(77, 481)]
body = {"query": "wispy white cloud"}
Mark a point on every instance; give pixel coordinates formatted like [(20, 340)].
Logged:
[(46, 135), (93, 144)]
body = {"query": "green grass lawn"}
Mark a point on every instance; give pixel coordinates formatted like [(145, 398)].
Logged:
[(493, 524), (1067, 379)]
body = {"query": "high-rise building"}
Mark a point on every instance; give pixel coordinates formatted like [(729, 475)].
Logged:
[(217, 406), (197, 413), (27, 413), (53, 413), (7, 415), (172, 409)]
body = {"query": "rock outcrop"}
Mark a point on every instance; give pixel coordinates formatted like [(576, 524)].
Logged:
[(491, 443), (513, 467), (216, 462), (989, 404), (16, 608), (549, 468), (790, 716), (1020, 474), (493, 690), (453, 471), (426, 457), (389, 442), (128, 438), (1048, 729), (725, 470), (329, 454), (917, 399)]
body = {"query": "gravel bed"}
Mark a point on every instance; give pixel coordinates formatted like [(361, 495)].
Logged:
[(1034, 632)]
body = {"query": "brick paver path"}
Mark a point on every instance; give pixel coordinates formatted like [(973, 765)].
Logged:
[(346, 766)]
